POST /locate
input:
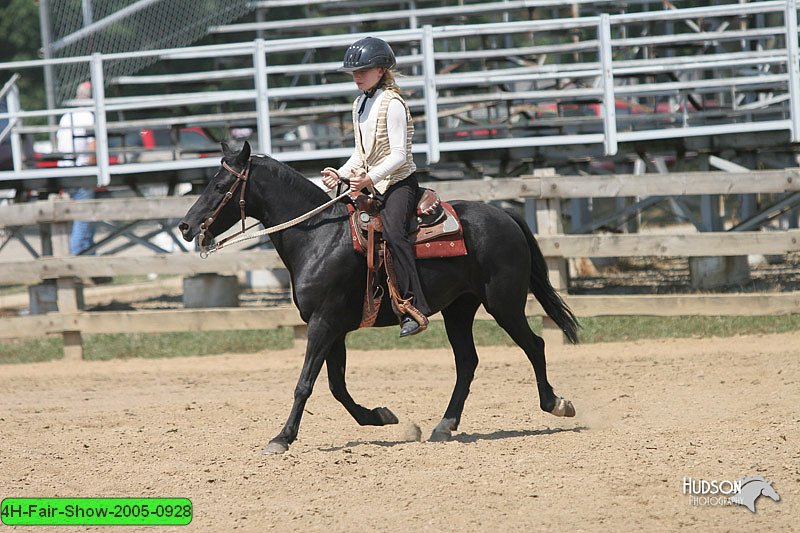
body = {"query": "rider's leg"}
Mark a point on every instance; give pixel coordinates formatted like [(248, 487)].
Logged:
[(398, 208)]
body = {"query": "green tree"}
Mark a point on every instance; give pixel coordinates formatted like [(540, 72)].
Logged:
[(20, 40)]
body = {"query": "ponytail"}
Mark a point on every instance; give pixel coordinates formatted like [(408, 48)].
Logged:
[(389, 82)]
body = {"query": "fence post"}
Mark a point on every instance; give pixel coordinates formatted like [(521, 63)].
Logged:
[(16, 143), (299, 335), (793, 67), (431, 109), (548, 222), (100, 132), (262, 98), (69, 290), (609, 100), (67, 301)]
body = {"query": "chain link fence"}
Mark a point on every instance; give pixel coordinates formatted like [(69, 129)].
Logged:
[(82, 27)]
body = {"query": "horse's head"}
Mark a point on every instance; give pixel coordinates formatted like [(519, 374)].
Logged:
[(751, 488), (213, 213), (769, 491)]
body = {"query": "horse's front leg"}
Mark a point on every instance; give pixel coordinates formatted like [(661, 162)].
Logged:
[(336, 363), (320, 340)]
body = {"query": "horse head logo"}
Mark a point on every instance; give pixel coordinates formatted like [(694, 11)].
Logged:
[(752, 488)]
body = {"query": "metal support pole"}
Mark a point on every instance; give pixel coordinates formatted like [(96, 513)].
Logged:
[(431, 108), (260, 18), (49, 79), (413, 24), (793, 66), (262, 97), (16, 142), (609, 101), (530, 214), (86, 9), (100, 132)]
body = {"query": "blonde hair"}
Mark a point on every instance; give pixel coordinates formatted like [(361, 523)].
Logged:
[(389, 81)]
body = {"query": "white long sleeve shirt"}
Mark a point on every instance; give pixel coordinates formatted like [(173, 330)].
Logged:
[(73, 137)]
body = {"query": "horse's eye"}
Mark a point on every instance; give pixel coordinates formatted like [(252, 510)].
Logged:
[(219, 187)]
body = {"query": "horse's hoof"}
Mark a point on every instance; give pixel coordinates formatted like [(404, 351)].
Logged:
[(443, 431), (563, 408), (275, 448), (385, 416), (439, 435)]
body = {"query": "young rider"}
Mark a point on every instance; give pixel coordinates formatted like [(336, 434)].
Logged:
[(382, 162)]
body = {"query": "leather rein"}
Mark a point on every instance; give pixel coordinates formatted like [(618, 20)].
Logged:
[(241, 181)]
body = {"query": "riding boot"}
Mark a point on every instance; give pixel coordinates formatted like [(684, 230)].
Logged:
[(409, 327)]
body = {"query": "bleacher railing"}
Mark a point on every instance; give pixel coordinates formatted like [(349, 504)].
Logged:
[(609, 79)]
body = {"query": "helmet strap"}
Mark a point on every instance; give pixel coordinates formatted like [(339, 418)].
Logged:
[(371, 92)]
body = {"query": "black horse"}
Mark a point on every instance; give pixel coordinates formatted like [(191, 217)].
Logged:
[(328, 282)]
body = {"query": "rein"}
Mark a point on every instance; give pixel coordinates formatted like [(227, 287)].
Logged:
[(241, 179)]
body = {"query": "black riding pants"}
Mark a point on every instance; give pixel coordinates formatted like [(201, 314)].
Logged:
[(399, 206)]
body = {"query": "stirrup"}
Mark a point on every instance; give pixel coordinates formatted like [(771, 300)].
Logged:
[(409, 326)]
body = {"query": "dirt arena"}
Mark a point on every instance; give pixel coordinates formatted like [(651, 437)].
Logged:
[(649, 414)]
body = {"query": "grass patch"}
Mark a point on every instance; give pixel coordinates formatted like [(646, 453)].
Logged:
[(181, 344), (486, 333), (31, 350), (629, 328), (125, 346), (593, 330), (5, 290)]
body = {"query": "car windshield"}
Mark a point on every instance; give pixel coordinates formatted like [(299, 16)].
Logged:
[(193, 139)]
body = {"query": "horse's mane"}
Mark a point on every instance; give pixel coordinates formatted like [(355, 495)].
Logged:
[(290, 179), (744, 481)]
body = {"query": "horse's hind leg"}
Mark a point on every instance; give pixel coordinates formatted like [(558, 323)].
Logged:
[(458, 320), (336, 362), (512, 319)]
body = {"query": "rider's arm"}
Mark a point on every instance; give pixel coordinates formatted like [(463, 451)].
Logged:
[(351, 164), (396, 126)]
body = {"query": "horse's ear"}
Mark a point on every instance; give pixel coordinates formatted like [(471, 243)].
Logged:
[(226, 150), (244, 155)]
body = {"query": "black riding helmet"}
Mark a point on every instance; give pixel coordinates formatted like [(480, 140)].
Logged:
[(369, 52)]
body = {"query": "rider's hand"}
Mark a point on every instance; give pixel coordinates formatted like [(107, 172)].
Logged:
[(360, 181), (330, 177)]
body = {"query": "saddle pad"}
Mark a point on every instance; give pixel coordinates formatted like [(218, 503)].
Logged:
[(451, 245)]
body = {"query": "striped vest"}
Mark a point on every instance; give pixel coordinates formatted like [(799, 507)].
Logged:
[(381, 148)]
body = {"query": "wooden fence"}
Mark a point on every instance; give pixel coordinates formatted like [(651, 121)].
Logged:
[(54, 217)]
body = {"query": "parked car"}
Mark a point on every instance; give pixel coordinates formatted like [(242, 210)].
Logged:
[(148, 145), (164, 144)]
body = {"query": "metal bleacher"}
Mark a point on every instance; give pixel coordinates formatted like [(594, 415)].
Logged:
[(512, 84)]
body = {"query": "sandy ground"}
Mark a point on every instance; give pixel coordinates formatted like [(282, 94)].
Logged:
[(649, 414)]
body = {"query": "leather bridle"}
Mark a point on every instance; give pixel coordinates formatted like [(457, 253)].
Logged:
[(241, 181)]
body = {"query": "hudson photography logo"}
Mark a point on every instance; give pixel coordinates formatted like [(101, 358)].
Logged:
[(714, 492)]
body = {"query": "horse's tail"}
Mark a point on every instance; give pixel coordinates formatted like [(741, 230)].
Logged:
[(544, 292)]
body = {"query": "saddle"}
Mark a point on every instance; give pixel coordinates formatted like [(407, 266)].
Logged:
[(438, 233)]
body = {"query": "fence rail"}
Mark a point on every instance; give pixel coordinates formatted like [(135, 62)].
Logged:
[(234, 319), (766, 81), (609, 186), (545, 190)]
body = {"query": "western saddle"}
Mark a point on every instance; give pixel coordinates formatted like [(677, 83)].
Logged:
[(434, 220)]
